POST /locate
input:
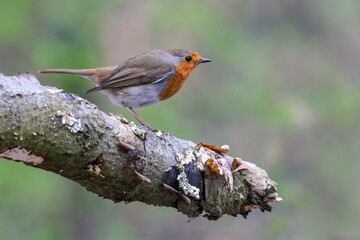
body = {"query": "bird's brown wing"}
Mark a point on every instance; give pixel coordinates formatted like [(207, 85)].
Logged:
[(136, 72)]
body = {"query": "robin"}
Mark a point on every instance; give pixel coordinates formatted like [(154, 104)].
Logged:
[(142, 80)]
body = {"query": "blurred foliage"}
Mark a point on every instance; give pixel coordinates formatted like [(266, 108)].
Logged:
[(282, 91)]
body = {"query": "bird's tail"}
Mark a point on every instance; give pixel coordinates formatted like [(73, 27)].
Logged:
[(86, 73), (94, 74), (81, 72)]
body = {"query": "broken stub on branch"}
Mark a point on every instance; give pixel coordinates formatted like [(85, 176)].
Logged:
[(227, 185)]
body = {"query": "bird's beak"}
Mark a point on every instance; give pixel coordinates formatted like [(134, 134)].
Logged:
[(204, 60)]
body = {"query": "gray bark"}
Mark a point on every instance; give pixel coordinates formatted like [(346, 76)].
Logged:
[(46, 128)]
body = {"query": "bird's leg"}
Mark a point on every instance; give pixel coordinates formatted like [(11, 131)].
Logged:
[(137, 116)]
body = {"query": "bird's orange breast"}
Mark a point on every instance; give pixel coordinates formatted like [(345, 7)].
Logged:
[(174, 84)]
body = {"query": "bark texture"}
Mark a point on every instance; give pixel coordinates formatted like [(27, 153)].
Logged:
[(46, 128)]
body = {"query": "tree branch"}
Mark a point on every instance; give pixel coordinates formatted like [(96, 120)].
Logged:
[(46, 128)]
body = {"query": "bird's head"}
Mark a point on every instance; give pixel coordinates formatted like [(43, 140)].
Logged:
[(187, 56), (187, 59)]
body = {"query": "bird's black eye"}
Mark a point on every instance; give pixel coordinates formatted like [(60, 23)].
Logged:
[(188, 58)]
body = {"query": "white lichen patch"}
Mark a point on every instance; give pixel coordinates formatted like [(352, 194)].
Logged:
[(186, 187), (21, 154), (72, 123), (137, 131), (186, 158)]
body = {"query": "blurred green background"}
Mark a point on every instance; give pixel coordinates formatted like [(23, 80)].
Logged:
[(282, 91)]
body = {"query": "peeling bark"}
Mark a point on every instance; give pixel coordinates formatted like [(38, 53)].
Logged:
[(46, 128)]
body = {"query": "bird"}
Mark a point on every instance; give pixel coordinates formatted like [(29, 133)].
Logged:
[(143, 80)]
